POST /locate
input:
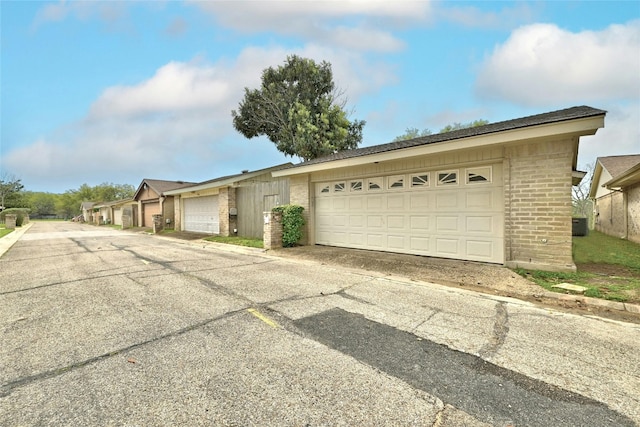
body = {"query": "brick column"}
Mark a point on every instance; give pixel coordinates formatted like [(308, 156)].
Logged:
[(157, 223), (228, 211), (10, 221), (272, 238)]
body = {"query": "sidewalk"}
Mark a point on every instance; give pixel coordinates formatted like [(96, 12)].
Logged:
[(7, 241)]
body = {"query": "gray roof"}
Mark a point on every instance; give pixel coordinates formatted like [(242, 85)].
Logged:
[(535, 120), (616, 165), (160, 186)]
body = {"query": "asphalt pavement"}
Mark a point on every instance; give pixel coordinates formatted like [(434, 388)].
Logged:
[(105, 327)]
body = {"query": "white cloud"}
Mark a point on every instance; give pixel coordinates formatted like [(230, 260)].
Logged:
[(474, 17), (108, 12), (542, 64), (620, 135), (177, 123), (175, 87), (347, 24)]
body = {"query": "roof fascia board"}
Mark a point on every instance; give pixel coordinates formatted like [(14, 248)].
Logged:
[(629, 177), (577, 127), (215, 184), (595, 179)]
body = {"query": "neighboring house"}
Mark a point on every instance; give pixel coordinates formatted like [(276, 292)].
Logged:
[(87, 211), (499, 193), (615, 189), (113, 212), (230, 205), (102, 213), (151, 200)]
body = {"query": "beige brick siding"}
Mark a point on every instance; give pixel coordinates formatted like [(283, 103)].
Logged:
[(300, 194), (618, 217), (610, 214), (633, 209), (226, 201), (538, 229)]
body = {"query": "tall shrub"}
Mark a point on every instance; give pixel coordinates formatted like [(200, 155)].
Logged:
[(292, 223)]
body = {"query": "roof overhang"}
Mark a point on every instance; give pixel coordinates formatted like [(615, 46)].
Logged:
[(577, 176), (628, 178), (574, 128), (224, 182)]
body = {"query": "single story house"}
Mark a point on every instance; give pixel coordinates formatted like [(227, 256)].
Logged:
[(499, 193), (87, 211), (230, 205), (615, 190), (113, 212), (151, 200)]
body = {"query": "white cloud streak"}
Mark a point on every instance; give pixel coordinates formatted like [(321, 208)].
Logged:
[(177, 120), (349, 24), (542, 64)]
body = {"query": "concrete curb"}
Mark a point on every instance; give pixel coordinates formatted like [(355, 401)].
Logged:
[(595, 302), (10, 239)]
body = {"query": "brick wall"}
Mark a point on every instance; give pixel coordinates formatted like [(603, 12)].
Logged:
[(633, 213), (300, 194), (610, 214), (538, 228), (177, 213), (272, 238), (618, 217), (226, 202)]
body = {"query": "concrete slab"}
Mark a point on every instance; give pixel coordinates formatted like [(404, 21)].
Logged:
[(570, 287), (7, 241)]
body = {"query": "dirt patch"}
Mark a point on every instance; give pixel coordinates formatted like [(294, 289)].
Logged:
[(608, 270), (486, 278)]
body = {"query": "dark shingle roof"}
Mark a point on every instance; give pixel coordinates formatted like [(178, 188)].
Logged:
[(535, 120)]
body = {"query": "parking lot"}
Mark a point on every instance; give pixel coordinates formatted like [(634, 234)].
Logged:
[(105, 327)]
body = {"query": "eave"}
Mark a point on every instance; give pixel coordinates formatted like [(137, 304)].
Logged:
[(574, 128)]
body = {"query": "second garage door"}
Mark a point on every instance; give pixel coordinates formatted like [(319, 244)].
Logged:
[(451, 213), (201, 215)]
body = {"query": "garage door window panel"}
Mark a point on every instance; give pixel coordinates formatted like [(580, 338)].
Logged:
[(355, 186), (448, 178), (324, 189), (339, 187), (396, 182), (420, 180), (481, 175), (374, 184)]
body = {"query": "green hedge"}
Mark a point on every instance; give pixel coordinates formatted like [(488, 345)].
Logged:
[(292, 223)]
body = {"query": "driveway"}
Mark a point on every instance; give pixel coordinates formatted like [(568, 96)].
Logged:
[(104, 327)]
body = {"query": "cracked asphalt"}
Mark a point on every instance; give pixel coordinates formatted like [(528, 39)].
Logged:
[(104, 327)]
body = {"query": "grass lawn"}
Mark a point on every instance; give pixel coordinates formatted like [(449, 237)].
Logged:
[(4, 231), (608, 267), (236, 240)]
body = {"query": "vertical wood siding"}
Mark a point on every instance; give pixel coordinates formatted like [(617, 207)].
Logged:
[(255, 197)]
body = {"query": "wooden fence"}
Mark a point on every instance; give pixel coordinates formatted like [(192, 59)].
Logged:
[(255, 197)]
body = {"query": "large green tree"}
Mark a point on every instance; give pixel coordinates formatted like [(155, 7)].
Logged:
[(299, 109), (10, 186)]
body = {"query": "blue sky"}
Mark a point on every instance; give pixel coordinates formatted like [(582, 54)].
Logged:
[(119, 91)]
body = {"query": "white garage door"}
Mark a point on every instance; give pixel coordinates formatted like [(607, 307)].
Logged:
[(201, 215), (117, 216), (451, 213)]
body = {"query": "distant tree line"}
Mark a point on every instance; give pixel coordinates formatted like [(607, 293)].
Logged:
[(411, 133), (65, 205)]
